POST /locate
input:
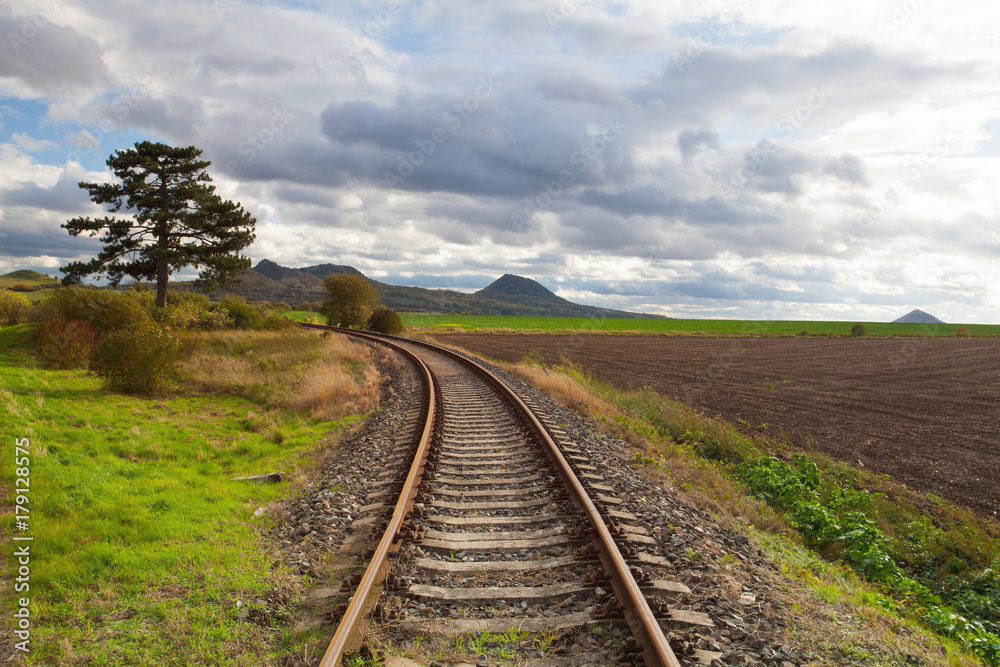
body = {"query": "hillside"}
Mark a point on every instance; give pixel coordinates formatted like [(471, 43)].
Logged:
[(27, 278), (917, 316), (508, 295)]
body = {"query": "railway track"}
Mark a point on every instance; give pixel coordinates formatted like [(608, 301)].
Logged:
[(489, 518)]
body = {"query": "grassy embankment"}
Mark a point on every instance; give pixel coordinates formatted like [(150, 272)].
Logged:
[(41, 284), (883, 567), (431, 323), (145, 552)]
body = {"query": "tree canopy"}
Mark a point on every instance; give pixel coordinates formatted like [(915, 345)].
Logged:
[(176, 220), (349, 300)]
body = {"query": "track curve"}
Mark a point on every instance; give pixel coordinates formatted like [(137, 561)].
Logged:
[(538, 536)]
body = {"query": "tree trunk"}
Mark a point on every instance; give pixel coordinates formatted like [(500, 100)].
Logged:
[(162, 275), (162, 267)]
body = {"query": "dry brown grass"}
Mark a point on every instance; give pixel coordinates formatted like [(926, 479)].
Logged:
[(563, 388), (673, 467), (326, 377)]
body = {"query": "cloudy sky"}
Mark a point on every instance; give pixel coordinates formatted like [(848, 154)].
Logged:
[(761, 159)]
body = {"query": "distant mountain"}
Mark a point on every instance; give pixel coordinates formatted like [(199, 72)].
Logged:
[(508, 295), (917, 316), (321, 270)]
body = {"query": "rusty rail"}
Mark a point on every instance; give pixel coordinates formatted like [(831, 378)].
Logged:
[(642, 622), (350, 632)]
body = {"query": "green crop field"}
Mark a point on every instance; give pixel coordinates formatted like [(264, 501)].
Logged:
[(431, 322)]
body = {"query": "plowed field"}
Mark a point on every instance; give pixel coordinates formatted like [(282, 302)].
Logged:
[(926, 412)]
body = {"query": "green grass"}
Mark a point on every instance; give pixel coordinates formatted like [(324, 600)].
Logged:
[(302, 316), (434, 322), (142, 543)]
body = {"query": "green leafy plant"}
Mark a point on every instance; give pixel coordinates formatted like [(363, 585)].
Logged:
[(13, 307), (383, 320), (136, 359)]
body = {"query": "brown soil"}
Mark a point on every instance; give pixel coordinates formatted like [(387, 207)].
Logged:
[(926, 412)]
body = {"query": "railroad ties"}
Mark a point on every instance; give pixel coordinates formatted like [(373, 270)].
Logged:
[(496, 539)]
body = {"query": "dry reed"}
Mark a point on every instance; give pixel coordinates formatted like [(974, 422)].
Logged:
[(327, 377)]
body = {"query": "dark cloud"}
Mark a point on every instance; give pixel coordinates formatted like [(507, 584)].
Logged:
[(47, 57), (689, 141), (65, 196), (578, 89), (26, 233), (847, 168)]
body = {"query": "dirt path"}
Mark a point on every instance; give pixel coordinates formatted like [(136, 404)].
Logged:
[(926, 412)]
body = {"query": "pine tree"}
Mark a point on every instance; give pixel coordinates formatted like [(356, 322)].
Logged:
[(177, 221)]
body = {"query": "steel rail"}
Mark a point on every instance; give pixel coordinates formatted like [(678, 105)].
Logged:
[(349, 631), (642, 622)]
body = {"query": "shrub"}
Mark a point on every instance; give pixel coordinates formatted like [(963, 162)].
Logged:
[(276, 323), (859, 330), (244, 315), (307, 306), (804, 332), (136, 359), (349, 301), (280, 306), (65, 343), (187, 310), (22, 287), (121, 311), (213, 320), (89, 303), (13, 307), (963, 332), (385, 321)]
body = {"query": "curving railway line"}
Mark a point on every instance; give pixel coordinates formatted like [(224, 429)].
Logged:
[(491, 518)]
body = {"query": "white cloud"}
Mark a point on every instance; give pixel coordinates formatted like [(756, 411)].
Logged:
[(32, 145), (709, 201)]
